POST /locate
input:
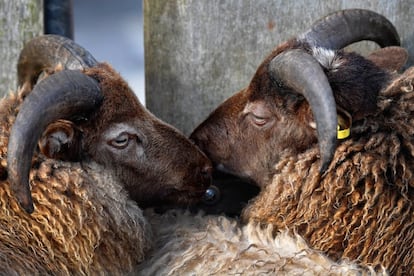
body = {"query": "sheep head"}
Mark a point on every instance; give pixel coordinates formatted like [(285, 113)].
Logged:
[(87, 112), (298, 96)]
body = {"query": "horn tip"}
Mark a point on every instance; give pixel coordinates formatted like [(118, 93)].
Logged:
[(323, 168), (326, 162), (26, 204), (24, 198)]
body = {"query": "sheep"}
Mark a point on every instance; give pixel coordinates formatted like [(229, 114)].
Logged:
[(100, 157), (327, 135)]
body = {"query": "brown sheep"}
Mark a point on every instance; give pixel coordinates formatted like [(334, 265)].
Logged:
[(100, 157), (351, 197)]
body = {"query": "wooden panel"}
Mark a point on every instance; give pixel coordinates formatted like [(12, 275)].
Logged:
[(20, 20)]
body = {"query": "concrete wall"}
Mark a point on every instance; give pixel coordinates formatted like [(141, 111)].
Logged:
[(198, 53)]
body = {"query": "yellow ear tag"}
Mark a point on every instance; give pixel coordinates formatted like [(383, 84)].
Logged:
[(344, 125), (343, 133)]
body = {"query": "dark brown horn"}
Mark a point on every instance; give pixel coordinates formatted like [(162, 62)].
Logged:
[(48, 51), (345, 27), (300, 71), (60, 96)]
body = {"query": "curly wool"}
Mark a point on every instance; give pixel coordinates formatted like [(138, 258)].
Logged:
[(363, 206), (83, 223), (217, 245)]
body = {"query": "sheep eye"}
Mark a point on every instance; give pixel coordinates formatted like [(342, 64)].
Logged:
[(259, 113), (259, 121), (121, 141)]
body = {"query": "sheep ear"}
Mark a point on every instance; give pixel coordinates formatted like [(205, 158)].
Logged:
[(390, 58), (61, 140)]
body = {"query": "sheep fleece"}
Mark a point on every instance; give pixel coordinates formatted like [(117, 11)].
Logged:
[(362, 208), (188, 244), (83, 221)]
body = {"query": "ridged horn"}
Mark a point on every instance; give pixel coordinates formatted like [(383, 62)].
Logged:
[(345, 27), (48, 51), (60, 96), (301, 72)]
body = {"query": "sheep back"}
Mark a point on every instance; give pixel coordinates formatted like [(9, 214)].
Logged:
[(362, 207), (200, 244), (84, 221)]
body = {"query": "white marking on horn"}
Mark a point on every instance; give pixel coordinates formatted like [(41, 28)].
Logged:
[(327, 58)]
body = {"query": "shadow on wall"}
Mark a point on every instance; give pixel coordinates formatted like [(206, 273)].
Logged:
[(113, 32)]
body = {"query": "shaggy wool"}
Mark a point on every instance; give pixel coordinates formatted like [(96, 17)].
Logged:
[(188, 244)]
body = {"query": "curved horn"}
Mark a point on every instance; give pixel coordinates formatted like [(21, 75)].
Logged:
[(60, 96), (345, 27), (301, 72), (48, 51)]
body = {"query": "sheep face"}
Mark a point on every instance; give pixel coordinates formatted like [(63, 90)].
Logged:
[(154, 160), (245, 136), (138, 154)]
